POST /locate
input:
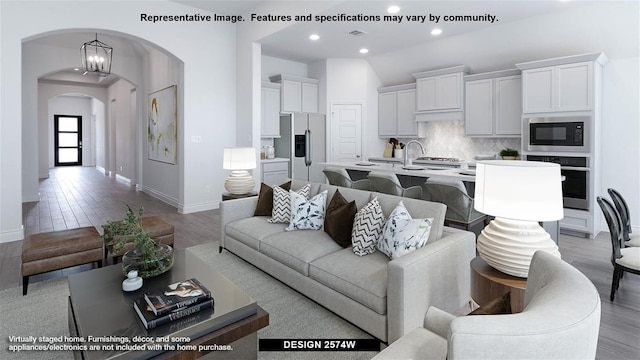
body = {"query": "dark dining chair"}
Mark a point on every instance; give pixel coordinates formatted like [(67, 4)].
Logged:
[(340, 177), (625, 218), (623, 259)]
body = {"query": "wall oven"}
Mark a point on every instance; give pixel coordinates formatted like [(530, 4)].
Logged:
[(563, 134), (575, 187)]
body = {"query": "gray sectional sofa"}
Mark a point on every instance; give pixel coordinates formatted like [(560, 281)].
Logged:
[(386, 298)]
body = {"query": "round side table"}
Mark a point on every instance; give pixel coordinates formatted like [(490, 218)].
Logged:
[(488, 283)]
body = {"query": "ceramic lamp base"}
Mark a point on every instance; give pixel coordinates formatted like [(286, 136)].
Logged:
[(508, 245), (239, 182)]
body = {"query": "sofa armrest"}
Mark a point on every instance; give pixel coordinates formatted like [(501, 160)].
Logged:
[(437, 274), (232, 210), (438, 321)]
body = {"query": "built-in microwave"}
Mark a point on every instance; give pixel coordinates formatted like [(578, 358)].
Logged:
[(567, 134)]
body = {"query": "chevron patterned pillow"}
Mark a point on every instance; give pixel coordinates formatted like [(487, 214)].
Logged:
[(282, 203), (367, 227)]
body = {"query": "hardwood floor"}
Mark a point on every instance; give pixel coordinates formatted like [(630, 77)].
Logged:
[(81, 196)]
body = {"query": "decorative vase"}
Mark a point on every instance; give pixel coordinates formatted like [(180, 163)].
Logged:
[(148, 265)]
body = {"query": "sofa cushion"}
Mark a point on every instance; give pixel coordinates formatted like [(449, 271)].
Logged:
[(265, 199), (419, 209), (338, 221), (282, 203), (362, 278), (307, 214), (297, 249), (403, 234), (367, 228), (250, 231)]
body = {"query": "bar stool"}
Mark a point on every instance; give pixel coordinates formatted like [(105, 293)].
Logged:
[(388, 183), (340, 177), (460, 209)]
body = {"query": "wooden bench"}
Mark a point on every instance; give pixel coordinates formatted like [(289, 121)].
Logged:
[(58, 250), (158, 229)]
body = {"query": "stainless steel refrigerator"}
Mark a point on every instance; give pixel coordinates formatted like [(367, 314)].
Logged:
[(302, 140)]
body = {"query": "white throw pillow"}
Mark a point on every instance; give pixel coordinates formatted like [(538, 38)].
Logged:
[(282, 203), (367, 227), (402, 234), (307, 214)]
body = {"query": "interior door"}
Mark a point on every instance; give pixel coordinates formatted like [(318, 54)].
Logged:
[(346, 133), (67, 140)]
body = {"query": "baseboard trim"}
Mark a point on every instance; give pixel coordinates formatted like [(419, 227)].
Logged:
[(13, 235), (123, 179), (188, 209), (160, 196)]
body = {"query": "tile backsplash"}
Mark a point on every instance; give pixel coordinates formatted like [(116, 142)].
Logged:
[(446, 139)]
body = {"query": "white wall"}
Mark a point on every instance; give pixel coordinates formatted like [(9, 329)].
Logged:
[(209, 91), (98, 112), (122, 131), (354, 81), (274, 66), (46, 92), (620, 132), (76, 106)]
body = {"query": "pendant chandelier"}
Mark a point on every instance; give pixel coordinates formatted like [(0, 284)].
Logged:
[(96, 57)]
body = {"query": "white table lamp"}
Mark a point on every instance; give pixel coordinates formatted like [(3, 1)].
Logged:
[(519, 194), (239, 160)]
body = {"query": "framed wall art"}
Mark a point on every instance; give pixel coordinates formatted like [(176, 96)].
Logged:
[(162, 132)]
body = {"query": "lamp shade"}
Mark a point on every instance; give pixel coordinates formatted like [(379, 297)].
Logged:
[(519, 190), (239, 158)]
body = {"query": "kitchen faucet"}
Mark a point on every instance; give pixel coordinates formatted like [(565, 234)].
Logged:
[(406, 160)]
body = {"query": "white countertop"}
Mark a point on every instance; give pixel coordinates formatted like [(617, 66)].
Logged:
[(428, 171), (274, 160)]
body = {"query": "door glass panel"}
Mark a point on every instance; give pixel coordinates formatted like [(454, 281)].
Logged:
[(67, 124), (68, 139), (67, 155)]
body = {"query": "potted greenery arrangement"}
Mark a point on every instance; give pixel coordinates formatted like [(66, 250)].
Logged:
[(509, 154), (147, 256)]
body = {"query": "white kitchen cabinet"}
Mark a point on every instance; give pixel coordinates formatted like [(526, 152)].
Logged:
[(440, 94), (299, 94), (396, 112), (493, 104), (270, 110), (275, 171), (560, 84)]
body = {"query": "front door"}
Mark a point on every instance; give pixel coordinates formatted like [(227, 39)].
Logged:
[(347, 128), (67, 140)]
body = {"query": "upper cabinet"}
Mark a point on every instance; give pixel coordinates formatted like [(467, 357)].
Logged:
[(440, 94), (493, 104), (270, 120), (396, 111), (298, 94), (560, 84)]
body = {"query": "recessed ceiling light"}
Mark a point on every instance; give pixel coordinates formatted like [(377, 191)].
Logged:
[(393, 9), (76, 69), (436, 31), (364, 51), (314, 37)]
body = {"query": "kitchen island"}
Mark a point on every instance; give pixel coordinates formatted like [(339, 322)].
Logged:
[(420, 171)]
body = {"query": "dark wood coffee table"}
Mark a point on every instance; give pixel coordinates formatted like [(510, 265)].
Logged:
[(98, 307)]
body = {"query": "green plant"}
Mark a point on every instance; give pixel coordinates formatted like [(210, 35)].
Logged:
[(509, 152), (119, 233)]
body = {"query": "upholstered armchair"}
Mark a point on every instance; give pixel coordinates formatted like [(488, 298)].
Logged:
[(561, 320)]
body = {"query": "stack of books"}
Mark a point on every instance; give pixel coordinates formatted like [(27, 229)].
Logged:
[(172, 302)]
